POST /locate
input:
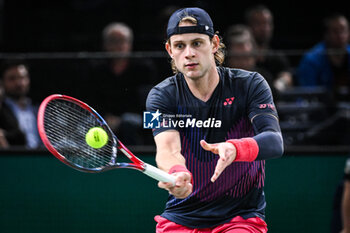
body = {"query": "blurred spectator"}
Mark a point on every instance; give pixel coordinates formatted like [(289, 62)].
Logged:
[(118, 87), (3, 141), (260, 19), (327, 64), (18, 114), (241, 49)]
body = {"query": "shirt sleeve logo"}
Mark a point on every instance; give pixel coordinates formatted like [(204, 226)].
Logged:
[(263, 106)]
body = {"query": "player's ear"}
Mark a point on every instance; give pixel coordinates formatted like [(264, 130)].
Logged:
[(215, 43), (168, 48)]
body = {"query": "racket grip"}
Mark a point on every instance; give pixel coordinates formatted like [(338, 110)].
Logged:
[(158, 174)]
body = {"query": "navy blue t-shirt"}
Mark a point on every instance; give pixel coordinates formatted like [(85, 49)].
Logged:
[(238, 98)]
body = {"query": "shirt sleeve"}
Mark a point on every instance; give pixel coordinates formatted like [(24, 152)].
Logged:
[(159, 99), (264, 117), (268, 137), (260, 100)]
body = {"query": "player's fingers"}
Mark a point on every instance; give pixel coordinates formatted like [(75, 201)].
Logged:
[(186, 192), (222, 163), (165, 185), (209, 147), (220, 166), (183, 186), (181, 192), (181, 178)]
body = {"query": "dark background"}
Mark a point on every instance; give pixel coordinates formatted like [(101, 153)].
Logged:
[(43, 26), (76, 25)]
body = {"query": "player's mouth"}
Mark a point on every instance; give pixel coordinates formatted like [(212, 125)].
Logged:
[(191, 65)]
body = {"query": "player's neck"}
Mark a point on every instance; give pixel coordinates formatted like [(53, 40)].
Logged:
[(204, 87)]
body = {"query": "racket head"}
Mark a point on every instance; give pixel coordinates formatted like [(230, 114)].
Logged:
[(63, 122)]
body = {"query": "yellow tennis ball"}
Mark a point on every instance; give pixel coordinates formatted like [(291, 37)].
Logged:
[(96, 137)]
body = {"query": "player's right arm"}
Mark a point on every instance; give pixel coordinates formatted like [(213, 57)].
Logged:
[(170, 159), (168, 143)]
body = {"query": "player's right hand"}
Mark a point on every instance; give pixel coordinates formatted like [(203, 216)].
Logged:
[(183, 186)]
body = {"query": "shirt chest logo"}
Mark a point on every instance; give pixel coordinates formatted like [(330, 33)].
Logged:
[(228, 101)]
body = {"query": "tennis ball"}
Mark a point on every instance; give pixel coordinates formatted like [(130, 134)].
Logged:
[(96, 137)]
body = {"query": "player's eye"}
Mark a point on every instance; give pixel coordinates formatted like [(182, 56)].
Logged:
[(197, 43), (179, 45)]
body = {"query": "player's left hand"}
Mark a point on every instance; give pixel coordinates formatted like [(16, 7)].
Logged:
[(226, 151)]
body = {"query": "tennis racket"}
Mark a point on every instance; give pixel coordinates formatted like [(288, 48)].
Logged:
[(63, 122)]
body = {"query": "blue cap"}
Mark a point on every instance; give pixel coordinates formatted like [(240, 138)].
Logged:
[(204, 22)]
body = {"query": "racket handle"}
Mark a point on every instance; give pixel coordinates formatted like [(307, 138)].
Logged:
[(158, 174)]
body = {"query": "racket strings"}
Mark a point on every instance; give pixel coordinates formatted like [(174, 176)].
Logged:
[(85, 159), (66, 124)]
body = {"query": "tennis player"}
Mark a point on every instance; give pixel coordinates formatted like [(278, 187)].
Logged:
[(217, 128)]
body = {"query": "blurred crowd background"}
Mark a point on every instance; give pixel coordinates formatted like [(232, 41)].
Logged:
[(109, 54)]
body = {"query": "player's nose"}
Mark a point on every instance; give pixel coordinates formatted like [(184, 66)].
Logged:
[(189, 52)]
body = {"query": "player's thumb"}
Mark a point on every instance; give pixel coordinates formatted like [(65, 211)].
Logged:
[(205, 145), (208, 146)]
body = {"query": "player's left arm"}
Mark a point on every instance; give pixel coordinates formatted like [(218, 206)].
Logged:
[(267, 142), (268, 139)]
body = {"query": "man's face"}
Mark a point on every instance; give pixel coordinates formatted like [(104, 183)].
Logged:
[(192, 53), (338, 33), (243, 57), (118, 42), (262, 26), (16, 81)]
